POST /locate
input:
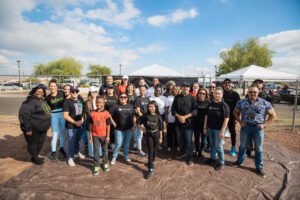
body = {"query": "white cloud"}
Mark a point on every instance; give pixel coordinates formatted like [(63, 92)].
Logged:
[(212, 61), (191, 70), (114, 15), (68, 36), (151, 49), (175, 17)]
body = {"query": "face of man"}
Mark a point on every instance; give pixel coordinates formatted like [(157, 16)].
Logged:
[(142, 91), (253, 93), (227, 85), (185, 90), (157, 92), (142, 82), (211, 88), (109, 80), (155, 81)]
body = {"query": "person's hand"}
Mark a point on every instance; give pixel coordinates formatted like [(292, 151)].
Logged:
[(181, 119), (91, 139), (205, 131), (107, 139), (29, 133), (78, 123), (160, 140), (261, 126), (221, 134)]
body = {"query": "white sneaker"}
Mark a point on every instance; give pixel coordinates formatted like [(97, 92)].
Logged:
[(113, 161), (127, 159), (71, 162), (79, 155)]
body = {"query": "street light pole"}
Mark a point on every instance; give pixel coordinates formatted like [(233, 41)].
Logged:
[(120, 69), (18, 61)]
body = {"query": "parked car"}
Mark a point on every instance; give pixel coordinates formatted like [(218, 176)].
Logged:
[(9, 86)]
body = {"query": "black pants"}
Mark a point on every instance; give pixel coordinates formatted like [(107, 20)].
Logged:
[(112, 135), (35, 142), (152, 144), (96, 143), (198, 131), (231, 127), (171, 135)]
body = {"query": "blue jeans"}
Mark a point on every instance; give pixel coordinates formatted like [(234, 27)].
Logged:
[(249, 133), (74, 139), (216, 144), (185, 140), (138, 136), (122, 138), (58, 128)]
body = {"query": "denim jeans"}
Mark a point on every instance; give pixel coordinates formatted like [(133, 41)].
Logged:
[(86, 138), (58, 128), (185, 140), (100, 142), (257, 135), (74, 139), (122, 138), (138, 136), (216, 144)]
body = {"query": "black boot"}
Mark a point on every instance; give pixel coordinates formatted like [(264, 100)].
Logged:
[(62, 153), (149, 173), (37, 161)]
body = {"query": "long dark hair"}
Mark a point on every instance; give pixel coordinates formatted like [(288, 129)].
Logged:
[(155, 105), (39, 86)]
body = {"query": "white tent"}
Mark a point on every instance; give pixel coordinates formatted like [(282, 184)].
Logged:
[(253, 72), (156, 70)]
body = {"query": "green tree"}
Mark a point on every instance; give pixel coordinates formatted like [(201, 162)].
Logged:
[(62, 66), (98, 70), (244, 54)]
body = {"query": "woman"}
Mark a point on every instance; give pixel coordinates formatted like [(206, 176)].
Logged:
[(201, 105), (195, 89), (124, 117), (215, 123), (124, 83), (55, 100), (67, 93), (35, 120), (130, 91)]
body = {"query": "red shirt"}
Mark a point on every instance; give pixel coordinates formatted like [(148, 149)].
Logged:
[(122, 88), (100, 122)]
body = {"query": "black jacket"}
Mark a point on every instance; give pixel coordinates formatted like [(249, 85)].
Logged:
[(35, 115)]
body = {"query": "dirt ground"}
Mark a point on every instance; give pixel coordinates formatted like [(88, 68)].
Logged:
[(14, 159)]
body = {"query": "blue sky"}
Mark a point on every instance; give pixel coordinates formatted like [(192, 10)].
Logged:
[(186, 35)]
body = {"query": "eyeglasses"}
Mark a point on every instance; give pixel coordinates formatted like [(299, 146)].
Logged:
[(122, 97), (75, 92), (202, 93), (253, 92)]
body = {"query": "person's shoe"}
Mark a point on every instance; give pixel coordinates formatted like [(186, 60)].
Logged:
[(142, 154), (210, 161), (248, 152), (236, 164), (218, 166), (177, 148), (169, 149), (181, 156), (190, 163), (62, 153), (159, 147), (106, 167), (96, 170), (200, 154), (149, 173), (53, 156), (71, 162), (37, 161), (127, 159), (113, 161), (79, 155), (233, 151), (260, 172)]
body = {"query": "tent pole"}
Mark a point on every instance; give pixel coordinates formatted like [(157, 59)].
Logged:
[(295, 105)]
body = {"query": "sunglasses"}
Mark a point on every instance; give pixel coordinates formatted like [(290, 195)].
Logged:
[(123, 97), (202, 93), (75, 92)]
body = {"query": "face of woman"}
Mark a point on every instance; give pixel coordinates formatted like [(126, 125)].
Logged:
[(39, 93), (175, 91), (195, 88), (94, 94), (53, 87), (123, 99), (130, 89), (67, 91), (151, 108), (201, 95), (218, 95)]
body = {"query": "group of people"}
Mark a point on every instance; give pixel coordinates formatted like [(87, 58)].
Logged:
[(187, 118)]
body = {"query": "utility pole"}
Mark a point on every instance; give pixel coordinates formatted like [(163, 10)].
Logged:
[(120, 69), (18, 61)]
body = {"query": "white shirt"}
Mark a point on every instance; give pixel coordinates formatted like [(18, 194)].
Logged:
[(169, 102), (161, 102)]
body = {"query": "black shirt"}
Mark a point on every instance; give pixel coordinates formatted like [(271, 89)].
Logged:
[(102, 90), (201, 112), (216, 113), (184, 105), (75, 109), (131, 99), (110, 101), (231, 98), (152, 123), (141, 102), (56, 102), (123, 116)]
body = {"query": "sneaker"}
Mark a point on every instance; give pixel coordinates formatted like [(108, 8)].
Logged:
[(169, 149), (236, 164), (113, 161), (37, 161), (96, 170), (190, 163), (218, 166), (233, 152), (71, 162), (177, 148), (79, 155), (260, 172), (141, 154), (127, 159), (181, 156), (106, 167), (53, 156), (149, 173), (62, 153)]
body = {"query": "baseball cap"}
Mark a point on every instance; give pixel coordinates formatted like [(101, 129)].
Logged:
[(72, 89), (93, 89), (125, 77), (185, 84), (109, 86), (227, 80), (258, 81)]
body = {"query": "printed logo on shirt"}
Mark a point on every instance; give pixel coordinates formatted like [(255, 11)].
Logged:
[(78, 108), (46, 108), (56, 100)]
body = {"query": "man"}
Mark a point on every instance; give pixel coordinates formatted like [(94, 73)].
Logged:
[(108, 81), (211, 89), (184, 108), (253, 110), (142, 82), (150, 91), (231, 98)]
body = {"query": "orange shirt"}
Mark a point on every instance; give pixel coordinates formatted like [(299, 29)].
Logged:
[(122, 88), (99, 122)]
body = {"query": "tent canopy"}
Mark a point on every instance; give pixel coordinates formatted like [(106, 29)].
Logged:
[(156, 70), (253, 72)]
